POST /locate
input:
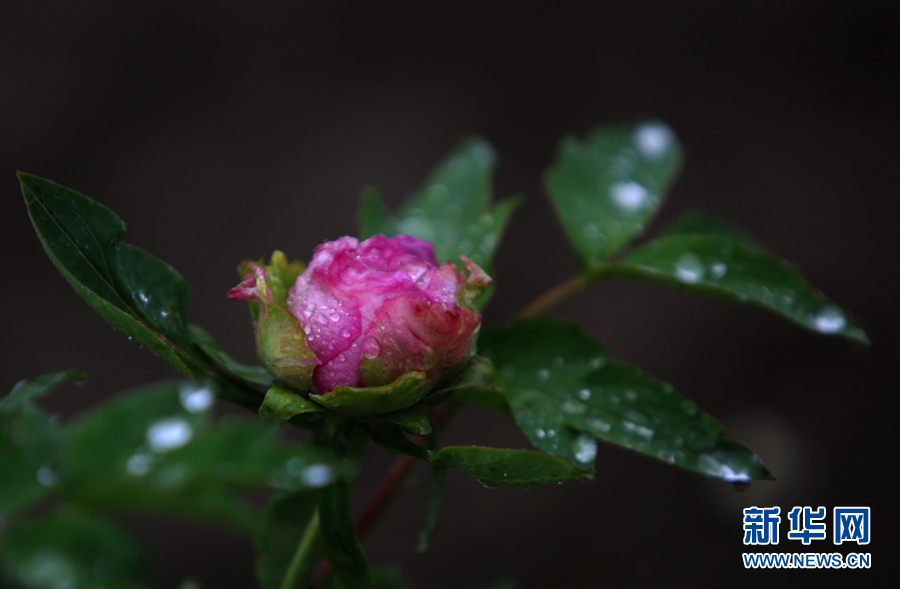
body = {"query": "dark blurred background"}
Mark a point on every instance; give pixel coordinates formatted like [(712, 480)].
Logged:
[(223, 130)]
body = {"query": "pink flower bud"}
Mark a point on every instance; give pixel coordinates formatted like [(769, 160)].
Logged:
[(377, 309)]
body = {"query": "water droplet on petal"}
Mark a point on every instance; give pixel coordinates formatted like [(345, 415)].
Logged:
[(689, 268), (829, 319), (169, 434)]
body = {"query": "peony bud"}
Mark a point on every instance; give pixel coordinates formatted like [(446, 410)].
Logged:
[(382, 319), (378, 309)]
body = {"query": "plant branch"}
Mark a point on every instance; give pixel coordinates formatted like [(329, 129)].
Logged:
[(301, 566), (553, 296)]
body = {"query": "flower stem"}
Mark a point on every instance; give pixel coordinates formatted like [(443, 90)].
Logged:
[(302, 564), (553, 296)]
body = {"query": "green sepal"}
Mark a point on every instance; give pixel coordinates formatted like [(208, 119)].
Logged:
[(281, 405), (390, 436), (280, 275), (404, 392), (477, 380), (282, 349), (412, 419)]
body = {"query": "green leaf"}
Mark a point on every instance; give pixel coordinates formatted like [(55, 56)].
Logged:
[(341, 544), (514, 468), (563, 394), (438, 475), (29, 443), (26, 390), (134, 292), (452, 210), (702, 223), (281, 404), (412, 419), (168, 457), (73, 550), (391, 437), (285, 524), (724, 267), (606, 189), (404, 392), (219, 358)]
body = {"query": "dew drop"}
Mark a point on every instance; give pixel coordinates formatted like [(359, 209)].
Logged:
[(584, 394), (829, 319), (540, 433), (629, 196), (573, 408), (558, 362), (714, 467), (370, 348), (718, 270), (585, 449), (138, 465), (631, 395), (169, 434), (599, 425), (195, 399), (543, 375), (143, 297), (689, 268), (667, 456), (46, 476), (653, 140)]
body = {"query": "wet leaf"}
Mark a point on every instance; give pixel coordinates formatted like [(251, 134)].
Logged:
[(134, 292), (216, 354), (284, 525), (169, 457), (73, 550), (563, 396), (725, 267), (27, 390), (404, 392), (452, 211), (29, 443), (606, 189), (514, 468), (703, 223)]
